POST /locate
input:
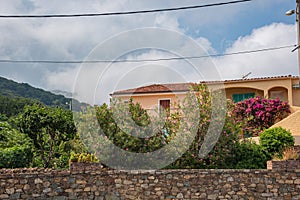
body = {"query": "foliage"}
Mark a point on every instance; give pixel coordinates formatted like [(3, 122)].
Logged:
[(221, 154), (289, 153), (11, 106), (108, 119), (222, 146), (214, 144), (16, 95), (50, 130), (250, 155), (258, 114), (229, 151), (15, 148), (83, 157), (275, 140)]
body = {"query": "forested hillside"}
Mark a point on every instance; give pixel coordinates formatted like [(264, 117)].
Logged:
[(14, 96)]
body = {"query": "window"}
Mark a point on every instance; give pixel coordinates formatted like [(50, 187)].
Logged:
[(277, 94), (241, 97), (165, 104)]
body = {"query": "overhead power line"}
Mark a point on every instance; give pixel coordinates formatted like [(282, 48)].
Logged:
[(145, 60), (122, 12)]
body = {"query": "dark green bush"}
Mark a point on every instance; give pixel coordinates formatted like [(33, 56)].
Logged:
[(275, 140), (14, 157), (15, 148), (250, 155)]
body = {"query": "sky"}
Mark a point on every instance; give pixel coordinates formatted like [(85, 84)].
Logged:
[(248, 26)]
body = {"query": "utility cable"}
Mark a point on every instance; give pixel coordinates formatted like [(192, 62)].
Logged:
[(122, 12), (145, 60)]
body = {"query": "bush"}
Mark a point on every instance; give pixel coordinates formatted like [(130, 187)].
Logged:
[(258, 114), (83, 157), (15, 157), (275, 140), (250, 155), (15, 148), (289, 153)]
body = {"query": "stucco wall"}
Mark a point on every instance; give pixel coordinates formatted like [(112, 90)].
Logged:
[(150, 101), (260, 87), (296, 97), (161, 184)]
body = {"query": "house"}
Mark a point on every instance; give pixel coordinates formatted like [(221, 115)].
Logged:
[(151, 97)]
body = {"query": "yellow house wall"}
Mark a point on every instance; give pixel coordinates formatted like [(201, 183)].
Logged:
[(231, 91), (262, 86), (296, 93), (150, 101), (259, 87), (296, 97)]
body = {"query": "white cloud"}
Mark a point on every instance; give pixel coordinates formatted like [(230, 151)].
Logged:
[(270, 63), (74, 39), (95, 81)]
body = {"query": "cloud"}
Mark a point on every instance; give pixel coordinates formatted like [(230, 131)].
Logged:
[(270, 63), (76, 38), (94, 82)]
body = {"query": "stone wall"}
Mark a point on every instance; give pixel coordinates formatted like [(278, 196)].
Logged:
[(162, 184), (283, 164)]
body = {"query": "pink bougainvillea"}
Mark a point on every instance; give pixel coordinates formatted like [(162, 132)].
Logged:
[(259, 113)]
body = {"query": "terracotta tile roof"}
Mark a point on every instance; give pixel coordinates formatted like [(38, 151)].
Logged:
[(252, 79), (263, 78), (158, 88), (182, 87)]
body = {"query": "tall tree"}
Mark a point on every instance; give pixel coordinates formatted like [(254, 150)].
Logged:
[(48, 128)]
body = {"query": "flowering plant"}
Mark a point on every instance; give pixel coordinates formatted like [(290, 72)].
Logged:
[(257, 114)]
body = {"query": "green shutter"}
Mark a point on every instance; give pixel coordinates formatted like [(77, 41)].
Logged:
[(241, 97)]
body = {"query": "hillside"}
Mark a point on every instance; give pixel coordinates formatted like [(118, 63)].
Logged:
[(15, 91)]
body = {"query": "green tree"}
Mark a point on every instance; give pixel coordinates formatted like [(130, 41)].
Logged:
[(15, 147), (11, 106), (50, 130), (217, 134), (111, 121)]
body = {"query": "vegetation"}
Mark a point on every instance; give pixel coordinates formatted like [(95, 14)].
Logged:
[(12, 106), (119, 134), (258, 114), (35, 135), (83, 157), (15, 148), (15, 95), (51, 131), (276, 140), (250, 155), (289, 153), (227, 152)]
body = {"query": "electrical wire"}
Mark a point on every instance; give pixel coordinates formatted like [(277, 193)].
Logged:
[(122, 12), (145, 60)]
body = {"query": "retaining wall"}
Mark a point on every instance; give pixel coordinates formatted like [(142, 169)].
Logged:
[(161, 184)]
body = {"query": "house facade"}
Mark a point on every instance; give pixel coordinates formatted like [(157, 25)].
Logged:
[(151, 97)]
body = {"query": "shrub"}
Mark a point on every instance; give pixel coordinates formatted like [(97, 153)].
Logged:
[(258, 114), (250, 155), (289, 153), (15, 148), (83, 157), (275, 140), (15, 157)]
